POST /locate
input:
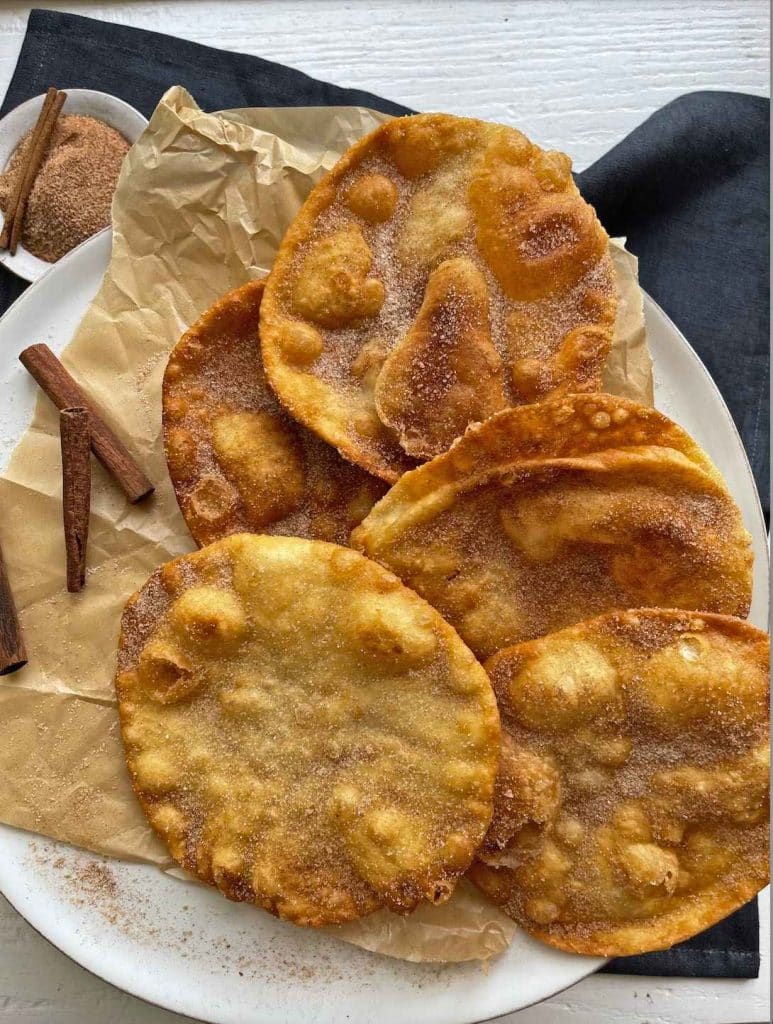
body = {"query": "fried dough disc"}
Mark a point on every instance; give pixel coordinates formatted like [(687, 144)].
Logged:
[(445, 269), (632, 801), (303, 731), (545, 515), (236, 459)]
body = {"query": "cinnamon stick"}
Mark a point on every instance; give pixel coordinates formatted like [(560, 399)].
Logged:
[(10, 213), (75, 435), (39, 149), (13, 655), (60, 387)]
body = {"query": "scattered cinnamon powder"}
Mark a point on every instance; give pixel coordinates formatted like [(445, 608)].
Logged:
[(98, 880), (71, 197)]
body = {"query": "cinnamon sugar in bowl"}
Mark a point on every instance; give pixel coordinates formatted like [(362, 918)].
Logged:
[(71, 198)]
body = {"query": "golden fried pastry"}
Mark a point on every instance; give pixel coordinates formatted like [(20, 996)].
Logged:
[(631, 809), (547, 514), (303, 731), (444, 270), (236, 459)]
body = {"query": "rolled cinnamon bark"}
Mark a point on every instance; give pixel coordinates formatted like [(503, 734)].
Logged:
[(13, 203), (76, 491), (37, 154), (63, 391), (13, 654)]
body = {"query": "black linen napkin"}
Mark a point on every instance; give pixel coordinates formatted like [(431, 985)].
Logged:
[(689, 188)]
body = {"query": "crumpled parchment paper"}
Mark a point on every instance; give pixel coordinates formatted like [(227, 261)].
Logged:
[(201, 205)]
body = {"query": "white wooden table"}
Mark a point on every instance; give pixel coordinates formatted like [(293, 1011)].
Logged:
[(577, 75)]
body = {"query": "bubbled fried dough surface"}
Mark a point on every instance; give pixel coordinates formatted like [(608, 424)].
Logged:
[(632, 802), (546, 515), (236, 459), (447, 268), (303, 731)]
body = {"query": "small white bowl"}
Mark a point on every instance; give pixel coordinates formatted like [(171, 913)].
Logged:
[(119, 115)]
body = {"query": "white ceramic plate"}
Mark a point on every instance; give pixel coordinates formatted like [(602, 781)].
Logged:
[(183, 946), (119, 115)]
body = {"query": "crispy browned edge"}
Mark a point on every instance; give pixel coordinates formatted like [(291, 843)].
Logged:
[(270, 313), (253, 291), (271, 308), (444, 880), (526, 433), (715, 903)]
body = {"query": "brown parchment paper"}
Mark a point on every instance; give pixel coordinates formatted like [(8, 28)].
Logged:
[(201, 205)]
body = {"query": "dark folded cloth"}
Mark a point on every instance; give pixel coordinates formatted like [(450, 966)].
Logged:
[(689, 188)]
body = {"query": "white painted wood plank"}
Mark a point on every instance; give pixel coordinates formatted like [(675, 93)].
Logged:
[(577, 75)]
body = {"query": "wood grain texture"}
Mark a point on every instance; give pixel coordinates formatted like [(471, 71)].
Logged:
[(578, 75)]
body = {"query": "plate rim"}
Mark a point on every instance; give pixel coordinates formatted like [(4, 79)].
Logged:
[(701, 366), (586, 965)]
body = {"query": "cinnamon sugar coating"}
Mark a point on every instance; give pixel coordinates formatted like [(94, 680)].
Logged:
[(547, 514), (632, 800), (464, 256), (303, 731), (237, 461)]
